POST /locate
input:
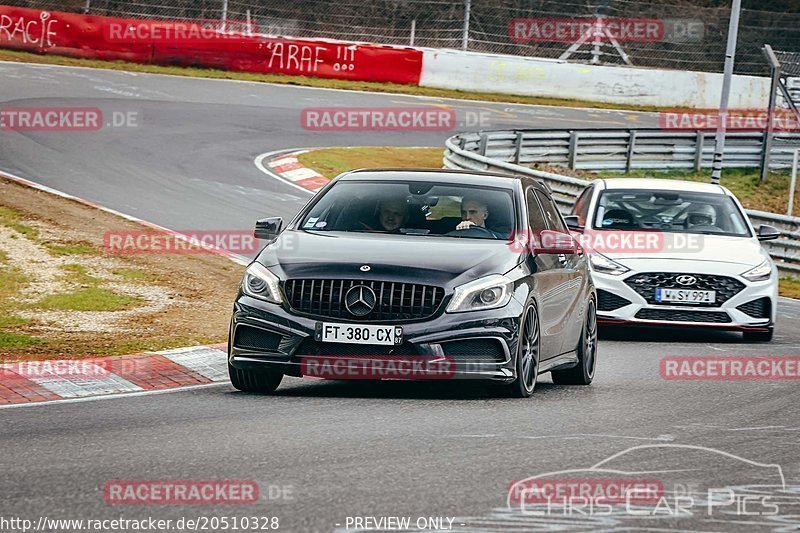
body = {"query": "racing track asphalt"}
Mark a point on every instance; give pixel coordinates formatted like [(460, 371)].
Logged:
[(345, 449)]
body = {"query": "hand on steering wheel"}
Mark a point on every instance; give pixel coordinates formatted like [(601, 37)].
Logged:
[(471, 225), (465, 224)]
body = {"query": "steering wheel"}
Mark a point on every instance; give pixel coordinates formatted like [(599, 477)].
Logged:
[(471, 231)]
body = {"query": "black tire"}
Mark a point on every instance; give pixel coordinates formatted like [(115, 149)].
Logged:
[(263, 381), (528, 355), (758, 336), (583, 372)]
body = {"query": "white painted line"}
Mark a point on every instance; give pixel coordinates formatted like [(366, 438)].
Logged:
[(113, 396), (73, 387), (236, 258), (208, 362)]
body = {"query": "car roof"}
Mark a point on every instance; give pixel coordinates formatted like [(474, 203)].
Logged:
[(458, 177), (662, 184)]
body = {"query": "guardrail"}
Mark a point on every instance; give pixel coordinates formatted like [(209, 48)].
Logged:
[(509, 151), (626, 150)]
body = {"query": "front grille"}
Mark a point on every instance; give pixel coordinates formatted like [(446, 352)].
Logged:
[(608, 301), (256, 339), (312, 347), (395, 302), (678, 315), (760, 308), (485, 349), (645, 285)]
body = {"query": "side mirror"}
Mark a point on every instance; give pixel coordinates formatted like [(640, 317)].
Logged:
[(767, 233), (574, 222), (268, 228), (554, 242)]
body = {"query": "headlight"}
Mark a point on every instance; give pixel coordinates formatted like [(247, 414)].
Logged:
[(604, 265), (484, 293), (260, 283), (759, 273)]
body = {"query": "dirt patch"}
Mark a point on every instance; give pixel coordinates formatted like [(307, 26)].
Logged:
[(55, 247)]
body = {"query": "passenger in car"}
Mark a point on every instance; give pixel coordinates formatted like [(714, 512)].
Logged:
[(393, 213)]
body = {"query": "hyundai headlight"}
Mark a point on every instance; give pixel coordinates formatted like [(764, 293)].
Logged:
[(260, 283), (760, 273), (490, 292), (604, 265)]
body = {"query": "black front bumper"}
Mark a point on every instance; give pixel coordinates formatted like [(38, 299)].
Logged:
[(265, 335)]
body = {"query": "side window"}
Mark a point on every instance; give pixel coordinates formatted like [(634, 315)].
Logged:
[(581, 207), (536, 219), (554, 220)]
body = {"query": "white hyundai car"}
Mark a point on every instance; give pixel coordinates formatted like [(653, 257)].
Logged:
[(676, 253)]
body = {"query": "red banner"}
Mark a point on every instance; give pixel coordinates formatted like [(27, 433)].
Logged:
[(201, 44)]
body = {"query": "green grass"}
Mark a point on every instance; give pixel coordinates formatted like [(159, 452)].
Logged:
[(89, 299), (10, 218), (305, 81), (790, 287), (70, 249), (131, 274), (78, 274), (331, 162), (9, 340)]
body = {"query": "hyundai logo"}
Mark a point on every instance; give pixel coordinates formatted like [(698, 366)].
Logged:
[(360, 300), (365, 268), (686, 280)]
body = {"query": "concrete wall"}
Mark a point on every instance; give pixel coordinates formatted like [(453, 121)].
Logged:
[(470, 71)]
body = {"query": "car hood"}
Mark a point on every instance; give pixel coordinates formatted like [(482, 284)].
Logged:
[(438, 261), (707, 248)]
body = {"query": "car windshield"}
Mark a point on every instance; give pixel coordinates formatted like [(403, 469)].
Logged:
[(671, 211), (414, 208)]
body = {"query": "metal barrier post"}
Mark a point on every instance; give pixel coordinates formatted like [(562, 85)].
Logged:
[(631, 148), (518, 148), (573, 149), (698, 154), (483, 143)]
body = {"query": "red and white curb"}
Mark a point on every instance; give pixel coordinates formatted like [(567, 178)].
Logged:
[(48, 380), (288, 168)]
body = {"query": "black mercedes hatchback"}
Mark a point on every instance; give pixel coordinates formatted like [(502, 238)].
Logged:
[(417, 274)]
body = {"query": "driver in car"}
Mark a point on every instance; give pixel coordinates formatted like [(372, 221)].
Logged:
[(700, 217), (474, 213)]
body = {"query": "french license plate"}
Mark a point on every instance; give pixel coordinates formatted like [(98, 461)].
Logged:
[(685, 296), (359, 334)]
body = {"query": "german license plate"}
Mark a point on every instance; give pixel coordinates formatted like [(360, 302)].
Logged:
[(685, 296), (359, 334)]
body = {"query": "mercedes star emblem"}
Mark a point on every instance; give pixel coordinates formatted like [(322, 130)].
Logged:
[(360, 300)]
